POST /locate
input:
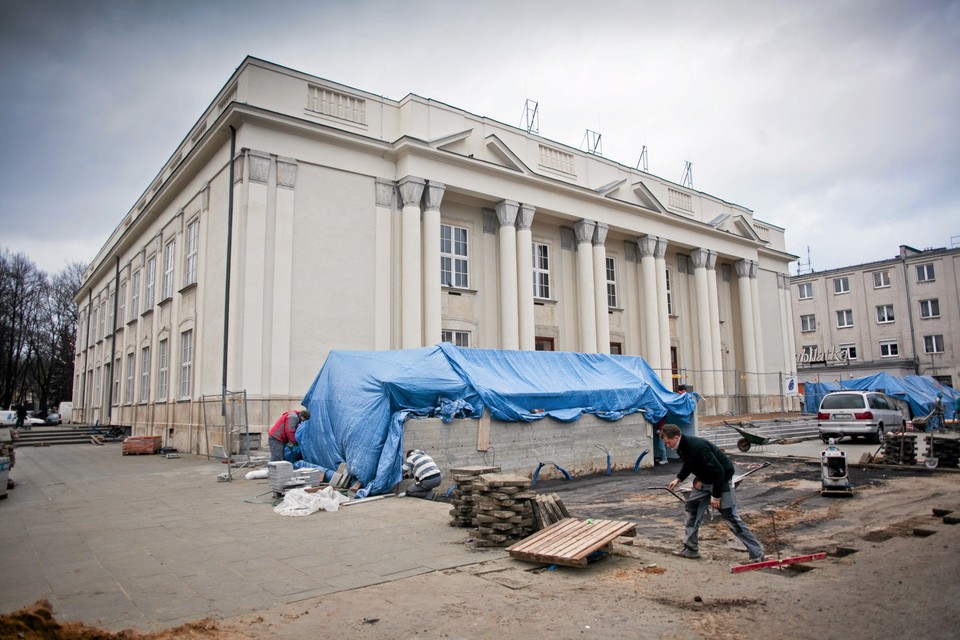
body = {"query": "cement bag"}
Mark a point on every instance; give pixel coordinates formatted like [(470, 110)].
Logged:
[(297, 502), (259, 474)]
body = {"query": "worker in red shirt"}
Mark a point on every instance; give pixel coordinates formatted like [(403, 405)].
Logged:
[(284, 432)]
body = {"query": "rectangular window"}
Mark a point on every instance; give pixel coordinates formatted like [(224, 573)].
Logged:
[(135, 294), (122, 305), (541, 271), (128, 396), (116, 381), (150, 284), (669, 295), (844, 318), (930, 308), (848, 350), (881, 279), (808, 322), (454, 269), (111, 306), (805, 290), (808, 351), (96, 388), (884, 313), (162, 363), (186, 364), (94, 323), (144, 375), (933, 344), (168, 253), (925, 273), (611, 282), (190, 265), (841, 285), (459, 338), (103, 319), (889, 349)]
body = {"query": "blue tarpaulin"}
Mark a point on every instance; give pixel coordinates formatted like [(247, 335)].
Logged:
[(919, 392), (360, 399)]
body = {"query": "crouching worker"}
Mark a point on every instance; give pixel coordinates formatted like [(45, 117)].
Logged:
[(712, 486), (284, 432), (425, 473)]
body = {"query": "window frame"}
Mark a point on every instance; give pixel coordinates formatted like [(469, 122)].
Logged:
[(611, 271), (847, 315), (135, 294), (122, 304), (891, 353), (926, 272), (928, 306), (850, 348), (117, 376), (186, 364), (805, 286), (457, 337), (145, 375), (541, 274), (451, 259), (808, 322), (150, 284), (887, 317), (131, 374), (935, 341), (191, 255), (841, 285), (163, 363), (169, 253), (881, 276)]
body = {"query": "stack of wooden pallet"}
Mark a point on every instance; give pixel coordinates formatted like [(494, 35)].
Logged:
[(141, 444), (548, 509), (504, 514), (466, 494)]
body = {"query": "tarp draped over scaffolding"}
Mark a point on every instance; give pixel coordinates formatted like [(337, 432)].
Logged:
[(919, 392), (360, 399)]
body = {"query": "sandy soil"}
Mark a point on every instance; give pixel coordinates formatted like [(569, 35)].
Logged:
[(891, 572)]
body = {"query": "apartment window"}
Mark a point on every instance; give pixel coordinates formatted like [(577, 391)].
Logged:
[(454, 271), (459, 338), (611, 282), (541, 271), (186, 364), (808, 323), (884, 313), (930, 308), (669, 295), (933, 344), (145, 375), (805, 290), (128, 396), (135, 293), (881, 279), (889, 349), (190, 264), (162, 365), (841, 285), (168, 252), (844, 318), (150, 284), (925, 273), (848, 350), (808, 351), (122, 305)]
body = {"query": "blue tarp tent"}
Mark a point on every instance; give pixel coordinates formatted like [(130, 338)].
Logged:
[(360, 399), (919, 392)]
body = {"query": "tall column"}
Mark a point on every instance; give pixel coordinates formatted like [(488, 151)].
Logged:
[(704, 335), (432, 320), (411, 190), (528, 338), (788, 296), (757, 328), (586, 302), (509, 324), (714, 297), (646, 247), (601, 307), (746, 327), (785, 322), (663, 312), (382, 312)]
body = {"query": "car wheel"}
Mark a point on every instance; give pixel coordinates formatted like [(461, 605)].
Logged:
[(826, 439), (878, 436)]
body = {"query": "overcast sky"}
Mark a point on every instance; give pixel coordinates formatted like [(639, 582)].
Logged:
[(839, 121)]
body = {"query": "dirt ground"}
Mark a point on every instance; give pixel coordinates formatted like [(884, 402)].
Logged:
[(891, 572)]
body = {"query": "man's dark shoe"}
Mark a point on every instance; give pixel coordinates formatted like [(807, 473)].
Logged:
[(687, 552)]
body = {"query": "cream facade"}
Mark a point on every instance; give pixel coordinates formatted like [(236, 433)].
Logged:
[(352, 221), (897, 316)]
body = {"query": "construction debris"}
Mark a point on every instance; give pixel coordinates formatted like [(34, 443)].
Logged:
[(900, 448)]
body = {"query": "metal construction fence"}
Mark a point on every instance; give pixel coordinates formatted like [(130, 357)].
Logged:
[(776, 391)]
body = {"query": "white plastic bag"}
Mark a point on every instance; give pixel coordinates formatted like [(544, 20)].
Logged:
[(257, 474), (297, 502)]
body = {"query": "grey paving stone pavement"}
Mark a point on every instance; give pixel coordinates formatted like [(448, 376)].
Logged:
[(146, 542)]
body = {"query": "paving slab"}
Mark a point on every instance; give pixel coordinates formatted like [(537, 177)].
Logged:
[(159, 541)]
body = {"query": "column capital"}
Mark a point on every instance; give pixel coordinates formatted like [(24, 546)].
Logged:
[(411, 190), (699, 257), (743, 268), (385, 192), (286, 172), (600, 234), (434, 194), (584, 231), (647, 246), (754, 265), (507, 212), (711, 260), (661, 249), (525, 216)]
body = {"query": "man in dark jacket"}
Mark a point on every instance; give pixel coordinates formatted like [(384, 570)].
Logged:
[(712, 486)]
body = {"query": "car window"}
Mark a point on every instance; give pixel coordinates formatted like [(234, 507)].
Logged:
[(875, 402), (842, 401)]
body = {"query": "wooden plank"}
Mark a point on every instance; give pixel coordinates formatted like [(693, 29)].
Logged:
[(570, 541), (545, 538), (483, 431)]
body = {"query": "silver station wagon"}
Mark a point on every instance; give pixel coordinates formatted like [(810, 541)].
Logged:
[(868, 414)]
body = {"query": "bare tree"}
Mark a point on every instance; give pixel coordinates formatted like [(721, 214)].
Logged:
[(21, 284)]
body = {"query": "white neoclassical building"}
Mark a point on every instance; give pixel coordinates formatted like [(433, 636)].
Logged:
[(347, 220)]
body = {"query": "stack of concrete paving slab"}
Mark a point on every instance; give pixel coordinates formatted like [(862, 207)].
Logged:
[(279, 472), (141, 444), (466, 494), (504, 512)]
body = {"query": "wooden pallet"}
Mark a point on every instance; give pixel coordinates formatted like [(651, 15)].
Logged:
[(570, 541)]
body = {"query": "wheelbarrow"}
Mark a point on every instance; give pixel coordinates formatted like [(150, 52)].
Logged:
[(749, 438)]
